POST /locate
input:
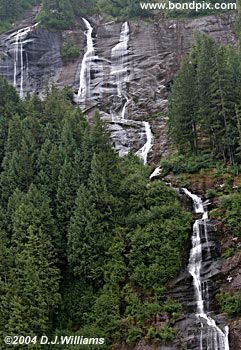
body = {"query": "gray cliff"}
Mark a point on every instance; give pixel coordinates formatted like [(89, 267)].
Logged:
[(154, 54)]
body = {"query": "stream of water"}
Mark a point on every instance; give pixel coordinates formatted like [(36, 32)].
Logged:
[(217, 339), (144, 151), (20, 57), (85, 70), (119, 69)]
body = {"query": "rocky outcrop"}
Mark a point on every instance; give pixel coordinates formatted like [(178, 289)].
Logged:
[(231, 268), (235, 338), (154, 53), (231, 283)]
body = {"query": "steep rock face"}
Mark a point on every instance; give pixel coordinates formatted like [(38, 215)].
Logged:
[(37, 64), (154, 54), (231, 273)]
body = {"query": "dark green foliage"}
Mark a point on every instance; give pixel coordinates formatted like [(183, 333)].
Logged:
[(228, 253), (30, 292), (88, 243), (61, 14), (57, 14), (190, 163), (182, 104), (167, 334), (122, 8), (231, 212), (155, 263), (69, 52), (13, 9), (204, 109), (230, 303)]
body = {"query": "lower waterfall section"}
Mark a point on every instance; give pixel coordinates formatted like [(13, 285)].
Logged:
[(215, 338), (146, 148)]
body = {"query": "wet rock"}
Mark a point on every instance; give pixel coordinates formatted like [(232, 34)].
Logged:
[(192, 329), (235, 335), (231, 269)]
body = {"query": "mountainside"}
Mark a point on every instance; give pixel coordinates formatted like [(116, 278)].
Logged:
[(103, 246)]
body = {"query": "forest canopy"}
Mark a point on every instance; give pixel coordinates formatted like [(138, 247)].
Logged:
[(88, 243)]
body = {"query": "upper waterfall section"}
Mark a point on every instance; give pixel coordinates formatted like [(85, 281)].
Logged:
[(130, 68), (84, 90)]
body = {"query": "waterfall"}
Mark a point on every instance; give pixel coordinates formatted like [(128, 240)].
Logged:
[(156, 173), (216, 339), (85, 71), (20, 57), (119, 71), (144, 151)]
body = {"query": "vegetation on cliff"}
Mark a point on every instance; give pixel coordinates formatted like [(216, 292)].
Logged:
[(10, 10), (60, 14), (205, 109)]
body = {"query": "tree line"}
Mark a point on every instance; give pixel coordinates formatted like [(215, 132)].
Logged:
[(204, 105), (61, 14)]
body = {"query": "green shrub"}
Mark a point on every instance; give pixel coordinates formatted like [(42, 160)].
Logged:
[(171, 307), (230, 303), (180, 163), (228, 253), (134, 335), (4, 26), (231, 205), (58, 15), (70, 51), (164, 335), (211, 193), (167, 334)]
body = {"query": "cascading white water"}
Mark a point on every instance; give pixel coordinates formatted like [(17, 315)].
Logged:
[(85, 71), (155, 173), (217, 339), (20, 63), (119, 69), (144, 151)]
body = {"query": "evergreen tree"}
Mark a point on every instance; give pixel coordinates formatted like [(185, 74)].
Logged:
[(203, 57), (31, 289), (183, 108), (221, 107), (90, 227), (49, 165), (215, 104)]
